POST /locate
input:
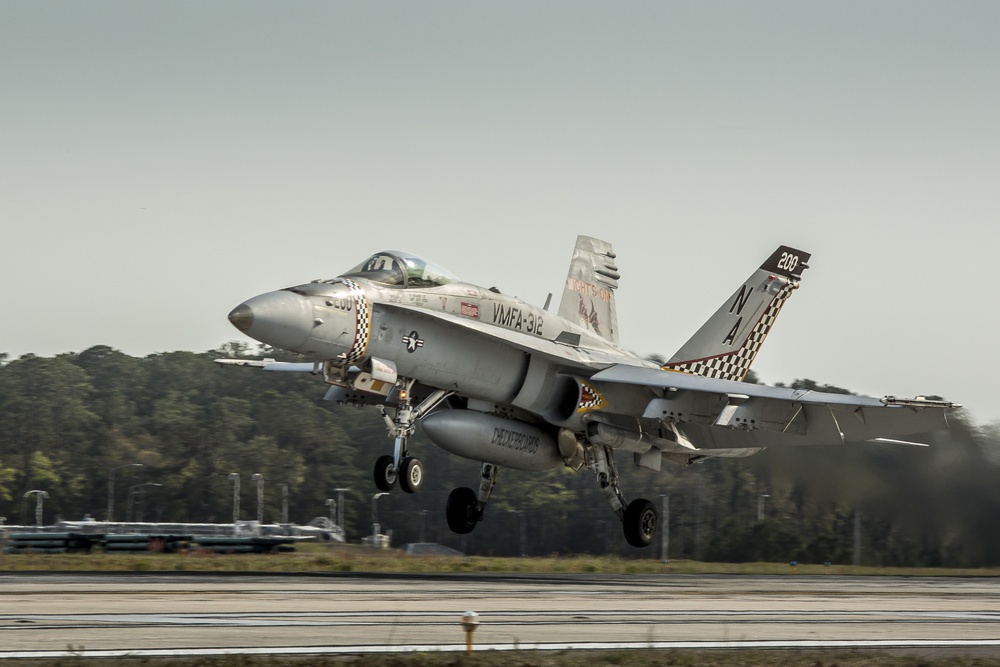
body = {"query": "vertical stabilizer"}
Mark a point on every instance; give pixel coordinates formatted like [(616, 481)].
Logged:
[(589, 296), (726, 345)]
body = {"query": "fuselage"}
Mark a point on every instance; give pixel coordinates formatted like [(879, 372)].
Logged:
[(441, 332)]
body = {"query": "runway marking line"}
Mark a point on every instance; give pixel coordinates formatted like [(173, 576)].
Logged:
[(521, 646)]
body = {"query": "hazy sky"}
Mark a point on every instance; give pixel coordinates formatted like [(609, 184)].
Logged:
[(162, 161)]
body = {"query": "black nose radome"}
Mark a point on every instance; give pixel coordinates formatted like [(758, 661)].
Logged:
[(241, 317)]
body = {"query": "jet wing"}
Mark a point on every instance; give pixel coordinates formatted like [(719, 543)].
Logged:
[(572, 355), (729, 414), (674, 380), (272, 365)]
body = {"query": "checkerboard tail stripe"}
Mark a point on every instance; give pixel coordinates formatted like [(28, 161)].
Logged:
[(735, 365)]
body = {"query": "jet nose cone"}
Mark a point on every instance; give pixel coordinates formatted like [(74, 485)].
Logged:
[(282, 319), (242, 317)]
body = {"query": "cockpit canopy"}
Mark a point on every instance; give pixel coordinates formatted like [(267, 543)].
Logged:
[(401, 269)]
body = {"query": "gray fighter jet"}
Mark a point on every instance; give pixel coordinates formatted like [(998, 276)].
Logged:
[(494, 379)]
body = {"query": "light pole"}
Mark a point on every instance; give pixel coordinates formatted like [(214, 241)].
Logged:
[(376, 528), (665, 529), (284, 504), (235, 477), (111, 487), (423, 525), (760, 506), (524, 534), (39, 496), (340, 509), (257, 477), (131, 493), (856, 555)]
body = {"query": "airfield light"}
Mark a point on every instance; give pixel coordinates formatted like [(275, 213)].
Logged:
[(470, 621)]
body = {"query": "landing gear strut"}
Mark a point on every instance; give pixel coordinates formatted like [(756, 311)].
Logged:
[(401, 467), (465, 507), (639, 517)]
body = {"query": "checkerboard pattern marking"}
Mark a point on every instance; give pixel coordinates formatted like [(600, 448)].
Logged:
[(362, 322), (735, 365)]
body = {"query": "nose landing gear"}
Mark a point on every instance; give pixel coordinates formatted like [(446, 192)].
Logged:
[(401, 467)]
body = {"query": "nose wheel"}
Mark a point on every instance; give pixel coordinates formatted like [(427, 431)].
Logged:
[(385, 473), (411, 474)]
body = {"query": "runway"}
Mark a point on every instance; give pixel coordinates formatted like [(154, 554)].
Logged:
[(50, 615)]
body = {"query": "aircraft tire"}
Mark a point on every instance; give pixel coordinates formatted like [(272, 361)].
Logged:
[(462, 510), (385, 476), (640, 522), (411, 474)]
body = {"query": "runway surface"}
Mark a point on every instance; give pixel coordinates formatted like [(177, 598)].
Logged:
[(46, 615)]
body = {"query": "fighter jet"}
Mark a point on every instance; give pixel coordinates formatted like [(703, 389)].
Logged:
[(494, 379)]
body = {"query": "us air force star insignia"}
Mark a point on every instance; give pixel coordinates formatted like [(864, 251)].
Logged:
[(412, 342)]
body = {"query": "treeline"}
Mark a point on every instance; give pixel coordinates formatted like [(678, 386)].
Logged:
[(67, 421)]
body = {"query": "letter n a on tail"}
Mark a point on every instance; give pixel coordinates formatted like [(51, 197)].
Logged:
[(726, 345)]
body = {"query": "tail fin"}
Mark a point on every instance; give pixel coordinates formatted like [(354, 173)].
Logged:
[(589, 296), (726, 345)]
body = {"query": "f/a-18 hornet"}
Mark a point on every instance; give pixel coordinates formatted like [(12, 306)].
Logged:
[(494, 379)]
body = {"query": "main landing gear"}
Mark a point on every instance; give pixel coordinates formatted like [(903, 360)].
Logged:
[(408, 470), (465, 507), (639, 517)]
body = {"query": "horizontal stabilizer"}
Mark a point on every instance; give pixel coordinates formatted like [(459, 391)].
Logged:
[(890, 441), (654, 458), (727, 414)]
